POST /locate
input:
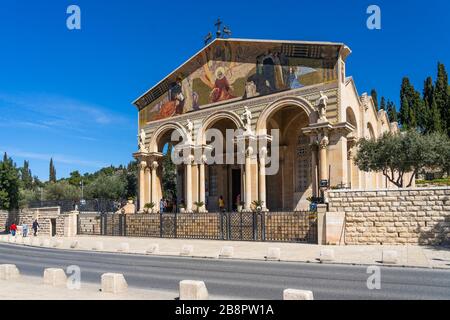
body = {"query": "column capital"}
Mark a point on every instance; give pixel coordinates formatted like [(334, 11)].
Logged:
[(143, 164), (324, 142), (154, 164)]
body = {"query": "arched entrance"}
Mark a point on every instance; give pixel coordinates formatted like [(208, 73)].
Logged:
[(224, 177), (290, 187)]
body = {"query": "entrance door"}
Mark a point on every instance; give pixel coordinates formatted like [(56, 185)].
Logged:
[(235, 187), (53, 223)]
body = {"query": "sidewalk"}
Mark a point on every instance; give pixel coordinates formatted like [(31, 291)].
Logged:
[(32, 288), (410, 256)]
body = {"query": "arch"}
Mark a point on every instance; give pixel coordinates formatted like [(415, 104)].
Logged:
[(213, 118), (370, 131), (160, 131), (305, 105)]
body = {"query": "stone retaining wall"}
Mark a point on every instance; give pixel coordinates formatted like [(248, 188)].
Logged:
[(65, 224), (402, 216)]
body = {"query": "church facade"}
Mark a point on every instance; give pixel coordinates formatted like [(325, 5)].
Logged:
[(290, 104)]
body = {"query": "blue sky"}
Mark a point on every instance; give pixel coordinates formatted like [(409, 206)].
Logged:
[(67, 94)]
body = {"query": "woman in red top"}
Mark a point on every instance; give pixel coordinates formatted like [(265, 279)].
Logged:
[(13, 229)]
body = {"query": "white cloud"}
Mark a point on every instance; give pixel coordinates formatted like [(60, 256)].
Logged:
[(57, 158)]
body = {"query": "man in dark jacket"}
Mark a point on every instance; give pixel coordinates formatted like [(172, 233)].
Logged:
[(35, 227)]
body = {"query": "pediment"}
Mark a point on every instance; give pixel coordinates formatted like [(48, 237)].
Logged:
[(233, 69)]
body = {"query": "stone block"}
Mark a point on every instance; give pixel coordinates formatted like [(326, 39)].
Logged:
[(293, 294), (326, 255), (9, 272), (187, 250), (389, 257), (226, 252), (75, 244), (124, 247), (114, 283), (12, 239), (45, 243), (273, 254), (55, 277), (27, 241), (98, 246), (193, 290), (19, 239), (153, 248)]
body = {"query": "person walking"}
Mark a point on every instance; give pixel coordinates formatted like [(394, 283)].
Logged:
[(35, 227), (221, 204), (13, 229), (161, 206)]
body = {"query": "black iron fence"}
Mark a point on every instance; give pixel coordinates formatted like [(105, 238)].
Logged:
[(91, 205), (236, 226)]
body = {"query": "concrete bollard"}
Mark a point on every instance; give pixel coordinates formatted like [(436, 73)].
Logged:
[(114, 283), (193, 290), (274, 254), (9, 272), (292, 294), (187, 250), (226, 252), (124, 247), (98, 246), (153, 248), (57, 243), (55, 277), (74, 244), (326, 255), (389, 257)]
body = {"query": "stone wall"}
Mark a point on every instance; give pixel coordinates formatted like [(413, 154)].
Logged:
[(65, 224), (401, 216), (89, 223)]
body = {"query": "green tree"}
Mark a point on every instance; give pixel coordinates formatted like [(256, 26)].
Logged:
[(383, 105), (75, 178), (9, 184), (52, 172), (411, 107), (442, 96), (374, 95), (392, 111), (26, 176), (112, 186), (395, 155), (61, 190)]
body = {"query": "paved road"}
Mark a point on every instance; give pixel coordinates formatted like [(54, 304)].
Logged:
[(236, 279)]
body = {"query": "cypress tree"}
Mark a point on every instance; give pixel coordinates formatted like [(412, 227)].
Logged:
[(442, 96), (374, 95), (383, 104), (26, 176), (52, 173), (392, 111)]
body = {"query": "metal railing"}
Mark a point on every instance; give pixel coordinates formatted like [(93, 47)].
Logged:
[(236, 226)]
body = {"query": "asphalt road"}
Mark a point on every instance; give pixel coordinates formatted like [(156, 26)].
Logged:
[(236, 279)]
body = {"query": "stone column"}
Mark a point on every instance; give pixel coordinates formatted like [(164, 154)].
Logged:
[(314, 170), (202, 196), (142, 167), (155, 166), (248, 179), (262, 177), (323, 148), (189, 184), (148, 175)]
